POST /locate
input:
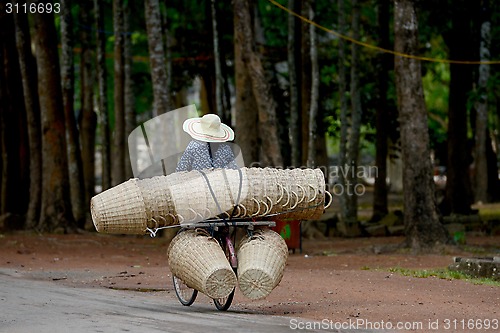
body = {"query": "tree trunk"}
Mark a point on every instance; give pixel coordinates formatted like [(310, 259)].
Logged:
[(266, 106), (313, 111), (356, 113), (458, 185), (219, 83), (226, 90), (344, 125), (492, 167), (306, 81), (423, 228), (168, 54), (29, 78), (383, 67), (68, 81), (156, 56), (481, 139), (89, 118), (294, 74), (13, 134), (247, 116), (130, 121), (56, 212), (395, 165), (118, 167), (102, 77)]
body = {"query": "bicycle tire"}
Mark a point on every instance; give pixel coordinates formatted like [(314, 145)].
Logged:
[(185, 294), (222, 304)]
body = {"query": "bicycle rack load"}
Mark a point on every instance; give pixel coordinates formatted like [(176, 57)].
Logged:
[(141, 205)]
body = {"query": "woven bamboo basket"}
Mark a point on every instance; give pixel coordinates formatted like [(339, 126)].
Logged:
[(228, 187), (308, 186), (120, 209), (319, 197), (199, 261), (188, 197), (261, 262), (157, 196)]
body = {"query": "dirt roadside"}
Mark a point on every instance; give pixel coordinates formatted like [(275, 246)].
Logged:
[(336, 280)]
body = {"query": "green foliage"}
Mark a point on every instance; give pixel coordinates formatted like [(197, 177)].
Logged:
[(189, 25)]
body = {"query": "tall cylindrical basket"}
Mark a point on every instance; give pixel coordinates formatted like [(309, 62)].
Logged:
[(120, 210), (198, 260), (261, 263)]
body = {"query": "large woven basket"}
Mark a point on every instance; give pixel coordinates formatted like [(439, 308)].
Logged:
[(261, 262), (199, 261), (158, 200), (120, 211), (189, 197)]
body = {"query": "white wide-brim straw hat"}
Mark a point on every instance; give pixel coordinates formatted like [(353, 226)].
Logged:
[(208, 128)]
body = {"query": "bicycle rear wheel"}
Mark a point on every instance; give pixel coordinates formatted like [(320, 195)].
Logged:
[(185, 294), (222, 304)]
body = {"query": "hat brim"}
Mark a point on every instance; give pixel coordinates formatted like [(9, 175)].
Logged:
[(193, 127)]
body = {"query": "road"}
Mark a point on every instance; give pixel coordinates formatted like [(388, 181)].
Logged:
[(28, 305)]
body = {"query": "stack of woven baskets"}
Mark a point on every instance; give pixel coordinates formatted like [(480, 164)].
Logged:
[(198, 260), (189, 197)]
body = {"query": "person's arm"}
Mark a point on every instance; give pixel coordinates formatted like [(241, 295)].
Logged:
[(228, 158)]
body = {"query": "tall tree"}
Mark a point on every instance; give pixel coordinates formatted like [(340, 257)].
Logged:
[(270, 153), (294, 79), (27, 65), (13, 135), (118, 167), (423, 228), (350, 126), (156, 56), (313, 111), (460, 42), (128, 88), (219, 83), (168, 55), (247, 115), (102, 77), (383, 67), (56, 210), (356, 113), (481, 138), (68, 81), (306, 79), (88, 115), (344, 125)]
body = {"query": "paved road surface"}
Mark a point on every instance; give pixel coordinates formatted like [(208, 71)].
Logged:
[(42, 306)]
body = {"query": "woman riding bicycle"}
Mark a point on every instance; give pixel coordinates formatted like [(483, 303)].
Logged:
[(208, 149)]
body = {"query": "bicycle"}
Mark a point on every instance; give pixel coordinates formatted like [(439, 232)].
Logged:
[(224, 235)]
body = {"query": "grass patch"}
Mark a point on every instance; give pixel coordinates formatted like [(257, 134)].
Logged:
[(444, 274), (489, 211)]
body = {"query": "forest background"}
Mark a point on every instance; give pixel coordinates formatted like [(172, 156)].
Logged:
[(409, 87)]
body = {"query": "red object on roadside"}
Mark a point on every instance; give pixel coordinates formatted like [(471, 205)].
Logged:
[(290, 230)]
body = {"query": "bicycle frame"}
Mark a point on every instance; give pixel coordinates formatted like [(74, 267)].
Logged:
[(233, 260)]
